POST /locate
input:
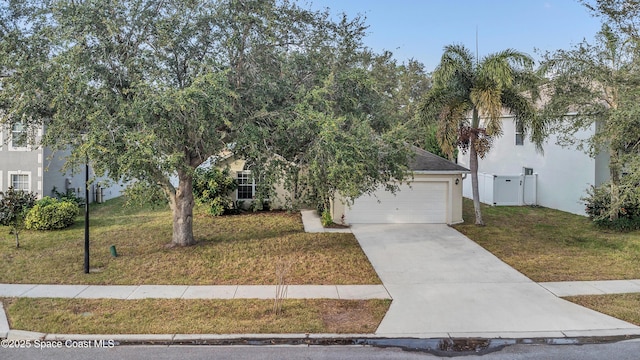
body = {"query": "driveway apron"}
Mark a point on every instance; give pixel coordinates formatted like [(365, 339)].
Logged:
[(444, 284)]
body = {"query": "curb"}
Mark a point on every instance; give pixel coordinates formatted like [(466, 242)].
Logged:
[(436, 346)]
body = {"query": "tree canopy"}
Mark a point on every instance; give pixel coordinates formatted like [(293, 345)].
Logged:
[(595, 85), (159, 86)]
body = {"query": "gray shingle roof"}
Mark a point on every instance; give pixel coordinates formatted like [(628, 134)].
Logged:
[(426, 161)]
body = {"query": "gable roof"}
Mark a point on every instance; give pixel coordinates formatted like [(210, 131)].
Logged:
[(424, 161)]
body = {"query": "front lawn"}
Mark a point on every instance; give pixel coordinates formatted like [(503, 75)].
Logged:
[(551, 245), (232, 250), (622, 306), (162, 316)]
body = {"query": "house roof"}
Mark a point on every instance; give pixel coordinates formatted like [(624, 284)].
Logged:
[(428, 162)]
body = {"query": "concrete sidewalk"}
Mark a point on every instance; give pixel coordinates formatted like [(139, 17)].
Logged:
[(344, 292)]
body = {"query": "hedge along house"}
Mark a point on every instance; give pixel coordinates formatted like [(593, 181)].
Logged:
[(433, 196), (38, 169)]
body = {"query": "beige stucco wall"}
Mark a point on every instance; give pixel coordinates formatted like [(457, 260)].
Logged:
[(454, 206), (281, 194)]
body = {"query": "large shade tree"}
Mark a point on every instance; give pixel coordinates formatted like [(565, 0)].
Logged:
[(469, 97), (150, 89)]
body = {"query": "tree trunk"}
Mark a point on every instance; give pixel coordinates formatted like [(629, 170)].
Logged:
[(182, 207), (473, 164), (15, 231), (614, 173)]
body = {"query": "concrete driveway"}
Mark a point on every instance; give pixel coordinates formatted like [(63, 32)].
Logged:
[(444, 284)]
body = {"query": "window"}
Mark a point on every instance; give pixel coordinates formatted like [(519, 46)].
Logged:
[(527, 171), (18, 136), (246, 186), (20, 182), (519, 133)]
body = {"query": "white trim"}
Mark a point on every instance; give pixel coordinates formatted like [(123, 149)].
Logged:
[(10, 142), (252, 184), (19, 172)]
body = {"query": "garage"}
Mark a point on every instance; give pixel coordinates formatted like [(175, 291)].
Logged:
[(418, 203), (433, 196)]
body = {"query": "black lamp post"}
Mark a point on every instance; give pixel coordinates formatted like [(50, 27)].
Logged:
[(86, 215)]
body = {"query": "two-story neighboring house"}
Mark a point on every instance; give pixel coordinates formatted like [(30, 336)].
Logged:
[(38, 169), (513, 173)]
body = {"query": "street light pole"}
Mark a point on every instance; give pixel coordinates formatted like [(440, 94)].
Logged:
[(86, 215)]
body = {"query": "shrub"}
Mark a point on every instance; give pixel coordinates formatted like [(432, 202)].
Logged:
[(51, 214), (212, 187), (326, 219), (598, 207)]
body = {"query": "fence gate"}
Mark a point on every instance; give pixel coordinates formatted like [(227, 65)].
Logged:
[(507, 190), (504, 190)]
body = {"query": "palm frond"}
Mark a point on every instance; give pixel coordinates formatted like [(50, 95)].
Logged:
[(500, 67), (527, 116), (457, 62), (487, 99)]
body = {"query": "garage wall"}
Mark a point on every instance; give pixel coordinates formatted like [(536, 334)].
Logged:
[(452, 204)]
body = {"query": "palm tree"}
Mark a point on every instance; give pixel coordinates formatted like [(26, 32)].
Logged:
[(469, 96)]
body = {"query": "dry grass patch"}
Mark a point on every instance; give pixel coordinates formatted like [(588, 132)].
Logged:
[(155, 316), (622, 306), (551, 245), (241, 249)]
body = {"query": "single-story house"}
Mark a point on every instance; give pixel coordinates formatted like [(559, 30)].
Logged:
[(432, 196)]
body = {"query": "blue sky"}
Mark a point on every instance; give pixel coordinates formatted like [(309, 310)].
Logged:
[(420, 29)]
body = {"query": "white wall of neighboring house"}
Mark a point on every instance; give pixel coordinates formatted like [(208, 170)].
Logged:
[(54, 176), (563, 174), (43, 168)]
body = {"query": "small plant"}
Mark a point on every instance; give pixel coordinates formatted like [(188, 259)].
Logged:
[(14, 206), (326, 219), (282, 269), (51, 214), (70, 196)]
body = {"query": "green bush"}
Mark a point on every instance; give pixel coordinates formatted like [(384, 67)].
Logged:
[(212, 187), (14, 207), (326, 219), (51, 214), (598, 207)]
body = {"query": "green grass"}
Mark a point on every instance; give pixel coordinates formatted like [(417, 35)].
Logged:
[(622, 306), (551, 245), (236, 250), (154, 316)]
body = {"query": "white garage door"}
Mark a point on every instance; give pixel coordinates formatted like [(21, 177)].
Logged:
[(420, 203)]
